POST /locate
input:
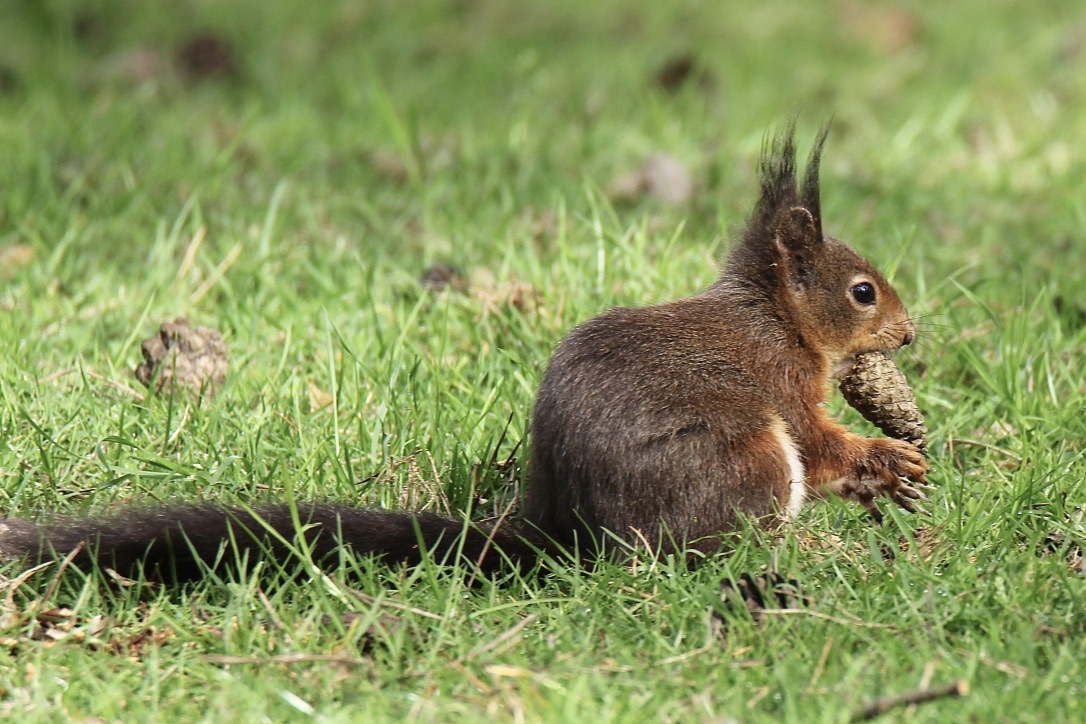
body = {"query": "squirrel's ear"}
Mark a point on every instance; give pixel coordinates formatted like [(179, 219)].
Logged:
[(796, 237)]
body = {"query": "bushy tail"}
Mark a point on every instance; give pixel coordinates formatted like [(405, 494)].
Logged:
[(180, 542)]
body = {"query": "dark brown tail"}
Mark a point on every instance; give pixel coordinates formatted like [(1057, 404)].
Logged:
[(180, 543)]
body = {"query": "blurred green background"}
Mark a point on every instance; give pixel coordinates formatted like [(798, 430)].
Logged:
[(426, 127)]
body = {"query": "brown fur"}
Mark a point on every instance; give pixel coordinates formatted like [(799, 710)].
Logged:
[(656, 419), (660, 423)]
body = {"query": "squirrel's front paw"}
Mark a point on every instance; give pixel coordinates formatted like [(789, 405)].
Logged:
[(891, 460), (887, 469)]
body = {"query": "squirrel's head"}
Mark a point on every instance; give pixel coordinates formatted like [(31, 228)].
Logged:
[(839, 303)]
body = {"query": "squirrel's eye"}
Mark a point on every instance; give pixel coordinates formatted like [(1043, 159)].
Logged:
[(863, 293)]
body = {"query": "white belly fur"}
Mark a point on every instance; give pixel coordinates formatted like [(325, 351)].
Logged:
[(797, 487)]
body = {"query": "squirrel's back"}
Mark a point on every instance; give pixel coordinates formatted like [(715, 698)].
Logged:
[(640, 418)]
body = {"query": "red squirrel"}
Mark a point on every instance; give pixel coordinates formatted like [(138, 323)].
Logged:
[(663, 424)]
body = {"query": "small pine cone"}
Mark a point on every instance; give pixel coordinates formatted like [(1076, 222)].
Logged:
[(195, 358), (878, 390)]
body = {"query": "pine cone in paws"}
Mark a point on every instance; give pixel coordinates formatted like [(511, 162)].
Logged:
[(878, 390)]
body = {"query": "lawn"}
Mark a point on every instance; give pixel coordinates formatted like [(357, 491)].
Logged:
[(288, 172)]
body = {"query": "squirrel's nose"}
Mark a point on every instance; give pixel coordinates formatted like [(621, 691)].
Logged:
[(908, 338)]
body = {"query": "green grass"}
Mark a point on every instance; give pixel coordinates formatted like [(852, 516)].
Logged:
[(294, 208)]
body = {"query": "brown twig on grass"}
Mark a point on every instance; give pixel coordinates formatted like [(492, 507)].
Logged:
[(295, 658), (489, 542), (501, 642), (988, 446), (881, 706), (89, 372), (60, 571)]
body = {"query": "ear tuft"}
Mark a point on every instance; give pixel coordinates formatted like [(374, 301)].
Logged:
[(797, 231)]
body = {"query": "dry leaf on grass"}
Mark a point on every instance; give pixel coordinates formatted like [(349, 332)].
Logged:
[(493, 296), (318, 398), (882, 28), (661, 176), (50, 626), (15, 257), (135, 65)]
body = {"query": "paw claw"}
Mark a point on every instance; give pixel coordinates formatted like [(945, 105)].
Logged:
[(908, 491), (910, 505)]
